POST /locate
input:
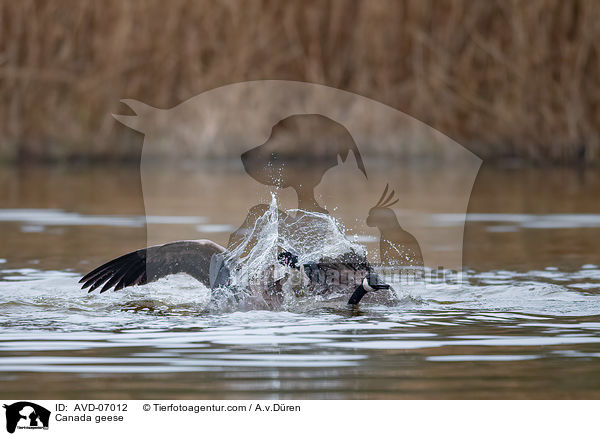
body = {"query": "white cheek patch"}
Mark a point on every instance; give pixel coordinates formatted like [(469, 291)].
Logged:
[(365, 284)]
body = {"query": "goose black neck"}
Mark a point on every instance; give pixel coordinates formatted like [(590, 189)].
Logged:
[(358, 294)]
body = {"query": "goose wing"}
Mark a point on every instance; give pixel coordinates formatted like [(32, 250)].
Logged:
[(150, 264)]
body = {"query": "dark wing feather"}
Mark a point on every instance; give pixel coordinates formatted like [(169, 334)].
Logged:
[(150, 264)]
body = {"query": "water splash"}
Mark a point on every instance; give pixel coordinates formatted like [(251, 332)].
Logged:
[(256, 278)]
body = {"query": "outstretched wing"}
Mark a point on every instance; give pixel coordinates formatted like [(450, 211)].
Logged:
[(150, 264)]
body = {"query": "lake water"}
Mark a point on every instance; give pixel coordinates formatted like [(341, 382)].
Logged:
[(523, 321)]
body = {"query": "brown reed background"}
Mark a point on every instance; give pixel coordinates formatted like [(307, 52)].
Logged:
[(508, 79)]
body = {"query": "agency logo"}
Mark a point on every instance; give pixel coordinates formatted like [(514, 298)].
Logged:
[(302, 216), (315, 148), (26, 415)]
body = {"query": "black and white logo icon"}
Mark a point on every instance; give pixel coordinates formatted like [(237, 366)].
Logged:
[(26, 415)]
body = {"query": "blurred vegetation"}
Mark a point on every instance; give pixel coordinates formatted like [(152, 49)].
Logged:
[(508, 79)]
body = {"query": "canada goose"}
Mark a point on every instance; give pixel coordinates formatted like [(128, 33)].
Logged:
[(351, 270), (202, 259), (271, 163), (396, 246)]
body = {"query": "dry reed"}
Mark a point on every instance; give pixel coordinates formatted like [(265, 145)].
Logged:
[(505, 78)]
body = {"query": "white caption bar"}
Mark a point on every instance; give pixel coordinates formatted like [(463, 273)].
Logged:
[(266, 417)]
